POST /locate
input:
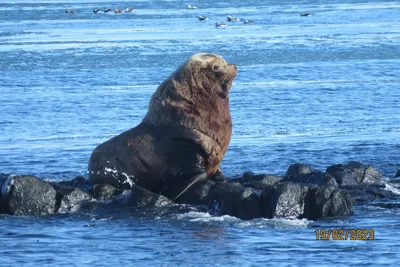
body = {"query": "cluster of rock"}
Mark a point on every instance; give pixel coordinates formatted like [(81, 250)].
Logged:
[(302, 193)]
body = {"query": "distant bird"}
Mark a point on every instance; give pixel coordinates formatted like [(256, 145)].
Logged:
[(249, 21), (191, 7), (97, 11), (107, 10), (117, 11), (305, 14), (203, 18), (70, 11), (128, 9), (220, 25), (230, 18)]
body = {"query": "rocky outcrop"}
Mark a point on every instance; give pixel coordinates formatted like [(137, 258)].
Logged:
[(71, 199), (302, 193), (104, 191), (363, 183), (355, 173), (27, 195), (280, 200), (141, 197)]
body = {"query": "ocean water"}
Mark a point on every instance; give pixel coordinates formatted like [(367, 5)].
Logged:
[(319, 90)]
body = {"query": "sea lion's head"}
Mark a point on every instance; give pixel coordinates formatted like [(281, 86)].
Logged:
[(198, 89), (194, 100), (210, 73)]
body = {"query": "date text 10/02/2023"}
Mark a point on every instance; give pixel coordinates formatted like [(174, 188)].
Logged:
[(345, 234)]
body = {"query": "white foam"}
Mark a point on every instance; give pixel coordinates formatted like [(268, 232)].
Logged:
[(5, 186), (392, 189), (195, 216), (276, 222)]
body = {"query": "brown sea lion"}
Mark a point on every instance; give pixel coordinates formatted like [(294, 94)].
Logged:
[(182, 138)]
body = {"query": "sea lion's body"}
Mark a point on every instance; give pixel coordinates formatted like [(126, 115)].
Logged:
[(182, 138)]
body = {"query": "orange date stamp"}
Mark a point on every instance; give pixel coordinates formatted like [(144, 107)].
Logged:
[(345, 234)]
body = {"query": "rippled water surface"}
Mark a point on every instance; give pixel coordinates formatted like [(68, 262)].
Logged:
[(319, 90)]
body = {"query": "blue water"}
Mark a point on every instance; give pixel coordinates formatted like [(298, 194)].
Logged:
[(319, 90)]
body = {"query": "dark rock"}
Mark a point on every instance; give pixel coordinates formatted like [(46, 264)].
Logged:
[(283, 200), (296, 170), (71, 199), (225, 196), (364, 193), (314, 177), (104, 191), (326, 201), (330, 180), (235, 200), (198, 194), (259, 181), (27, 195), (372, 176), (141, 197), (248, 176), (397, 174), (300, 173), (78, 181), (219, 176), (250, 204), (355, 173)]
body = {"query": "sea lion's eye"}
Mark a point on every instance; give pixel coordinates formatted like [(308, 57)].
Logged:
[(215, 67)]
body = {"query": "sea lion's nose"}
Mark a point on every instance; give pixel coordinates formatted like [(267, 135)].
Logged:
[(233, 65)]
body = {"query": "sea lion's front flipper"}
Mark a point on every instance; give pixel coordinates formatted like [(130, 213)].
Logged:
[(183, 183)]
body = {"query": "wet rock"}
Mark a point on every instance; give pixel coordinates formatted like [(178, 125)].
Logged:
[(71, 199), (141, 197), (198, 194), (283, 200), (257, 181), (104, 191), (248, 176), (330, 180), (280, 200), (78, 181), (296, 170), (397, 174), (365, 193), (326, 201), (372, 176), (27, 195), (355, 173), (235, 200), (219, 176), (301, 173)]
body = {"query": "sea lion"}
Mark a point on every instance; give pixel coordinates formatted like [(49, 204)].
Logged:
[(183, 137)]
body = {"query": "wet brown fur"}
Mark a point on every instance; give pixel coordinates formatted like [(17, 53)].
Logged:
[(188, 121)]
